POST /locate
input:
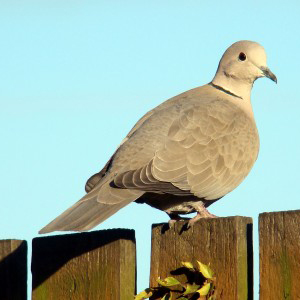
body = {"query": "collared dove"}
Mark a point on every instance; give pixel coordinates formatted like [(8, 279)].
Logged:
[(184, 154)]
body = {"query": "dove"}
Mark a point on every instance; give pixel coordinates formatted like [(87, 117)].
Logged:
[(184, 154)]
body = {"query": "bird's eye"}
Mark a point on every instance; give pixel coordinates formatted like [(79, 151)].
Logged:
[(242, 56)]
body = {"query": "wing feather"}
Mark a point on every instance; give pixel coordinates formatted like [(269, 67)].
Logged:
[(213, 146)]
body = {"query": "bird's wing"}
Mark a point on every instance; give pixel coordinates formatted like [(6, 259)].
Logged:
[(220, 144), (209, 150), (162, 112)]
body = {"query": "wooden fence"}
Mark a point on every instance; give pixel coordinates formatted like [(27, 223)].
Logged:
[(102, 264)]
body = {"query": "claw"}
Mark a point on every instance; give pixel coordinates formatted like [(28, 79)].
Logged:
[(172, 223), (174, 218), (202, 212)]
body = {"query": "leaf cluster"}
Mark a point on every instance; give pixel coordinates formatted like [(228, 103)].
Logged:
[(200, 284)]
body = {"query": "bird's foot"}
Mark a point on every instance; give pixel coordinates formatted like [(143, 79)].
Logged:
[(202, 212), (174, 218)]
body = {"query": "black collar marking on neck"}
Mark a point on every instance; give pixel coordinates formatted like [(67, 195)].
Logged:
[(225, 91)]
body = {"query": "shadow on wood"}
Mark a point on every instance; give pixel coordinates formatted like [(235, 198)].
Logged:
[(13, 270), (89, 265), (224, 243)]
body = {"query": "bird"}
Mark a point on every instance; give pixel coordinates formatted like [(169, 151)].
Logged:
[(184, 154)]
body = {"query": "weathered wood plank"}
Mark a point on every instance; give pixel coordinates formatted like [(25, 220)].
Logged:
[(225, 243), (13, 270), (279, 237), (94, 265)]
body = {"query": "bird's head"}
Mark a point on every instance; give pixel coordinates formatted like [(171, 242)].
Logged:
[(241, 64)]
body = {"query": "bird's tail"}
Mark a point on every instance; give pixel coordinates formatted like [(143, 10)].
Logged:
[(92, 209), (83, 215)]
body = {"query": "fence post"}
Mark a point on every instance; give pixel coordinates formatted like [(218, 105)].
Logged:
[(93, 265), (225, 243), (13, 270), (279, 237)]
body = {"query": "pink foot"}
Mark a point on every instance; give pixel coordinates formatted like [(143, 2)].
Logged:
[(202, 212)]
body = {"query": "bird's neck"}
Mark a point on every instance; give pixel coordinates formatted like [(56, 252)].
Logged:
[(238, 88), (239, 91)]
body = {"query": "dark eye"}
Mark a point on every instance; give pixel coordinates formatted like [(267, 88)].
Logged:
[(242, 56)]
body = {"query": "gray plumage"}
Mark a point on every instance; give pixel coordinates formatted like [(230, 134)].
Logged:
[(184, 154)]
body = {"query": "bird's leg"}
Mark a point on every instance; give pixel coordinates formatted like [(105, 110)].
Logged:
[(202, 212)]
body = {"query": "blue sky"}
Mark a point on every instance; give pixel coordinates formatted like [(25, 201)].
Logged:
[(76, 75)]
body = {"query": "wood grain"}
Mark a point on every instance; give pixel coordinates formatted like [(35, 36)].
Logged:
[(224, 243), (94, 265), (279, 236), (13, 270)]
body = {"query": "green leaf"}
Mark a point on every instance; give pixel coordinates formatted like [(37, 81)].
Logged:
[(205, 270), (147, 293), (212, 297), (169, 281), (165, 297), (187, 264), (204, 290), (190, 289), (182, 298)]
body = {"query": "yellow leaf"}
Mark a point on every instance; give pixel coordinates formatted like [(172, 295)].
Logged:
[(169, 281), (187, 264), (204, 290), (147, 293), (205, 270), (190, 289)]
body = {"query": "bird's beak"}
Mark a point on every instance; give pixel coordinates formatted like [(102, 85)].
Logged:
[(267, 72)]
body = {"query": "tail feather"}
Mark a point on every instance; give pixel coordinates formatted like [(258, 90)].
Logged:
[(83, 215)]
